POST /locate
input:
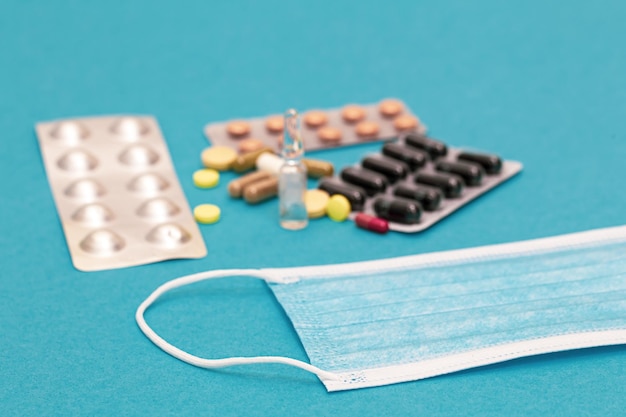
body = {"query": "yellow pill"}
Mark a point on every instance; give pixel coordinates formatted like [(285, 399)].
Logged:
[(338, 208), (206, 178), (316, 202), (207, 213), (219, 157)]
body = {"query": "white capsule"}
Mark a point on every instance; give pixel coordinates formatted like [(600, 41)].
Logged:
[(269, 162)]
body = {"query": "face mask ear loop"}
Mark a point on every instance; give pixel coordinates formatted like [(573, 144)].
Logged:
[(215, 363)]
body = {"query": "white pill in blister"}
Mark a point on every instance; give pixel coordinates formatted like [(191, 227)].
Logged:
[(129, 127), (148, 183), (168, 234), (86, 189), (77, 161), (94, 214), (158, 208), (102, 242), (139, 156), (69, 132)]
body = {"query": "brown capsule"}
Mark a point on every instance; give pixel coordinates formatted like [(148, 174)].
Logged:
[(367, 129), (329, 134), (274, 124), (315, 118), (261, 190), (247, 161), (352, 113), (390, 107), (237, 186), (238, 128), (405, 122), (250, 145), (317, 169)]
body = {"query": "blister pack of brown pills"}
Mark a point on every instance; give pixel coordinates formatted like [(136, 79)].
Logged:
[(321, 129), (417, 181), (116, 192)]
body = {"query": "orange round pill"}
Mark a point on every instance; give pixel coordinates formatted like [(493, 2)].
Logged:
[(329, 134), (274, 124), (250, 145), (238, 128), (315, 118), (367, 129), (405, 122), (353, 113), (390, 107)]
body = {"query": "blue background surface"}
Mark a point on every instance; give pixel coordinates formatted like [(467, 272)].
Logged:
[(540, 82)]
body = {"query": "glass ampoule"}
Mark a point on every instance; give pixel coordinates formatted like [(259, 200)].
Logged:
[(292, 179)]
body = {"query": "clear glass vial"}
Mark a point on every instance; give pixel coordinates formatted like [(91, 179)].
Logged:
[(292, 179)]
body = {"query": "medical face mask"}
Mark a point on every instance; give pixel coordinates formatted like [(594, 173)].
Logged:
[(403, 319)]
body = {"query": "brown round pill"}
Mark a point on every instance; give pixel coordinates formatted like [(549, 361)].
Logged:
[(238, 128), (353, 113), (405, 122), (250, 145), (274, 124), (367, 129), (329, 134), (390, 107), (315, 118)]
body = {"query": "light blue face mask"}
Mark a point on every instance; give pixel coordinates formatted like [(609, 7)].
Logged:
[(403, 319)]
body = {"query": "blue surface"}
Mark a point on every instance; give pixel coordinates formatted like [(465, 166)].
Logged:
[(541, 82)]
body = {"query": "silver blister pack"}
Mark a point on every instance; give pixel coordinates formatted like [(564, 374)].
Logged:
[(447, 205), (262, 128), (117, 193)]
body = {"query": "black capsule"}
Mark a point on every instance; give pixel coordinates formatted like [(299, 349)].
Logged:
[(471, 173), (429, 198), (371, 182), (491, 163), (355, 195), (451, 185), (434, 148), (398, 210), (412, 157), (390, 168)]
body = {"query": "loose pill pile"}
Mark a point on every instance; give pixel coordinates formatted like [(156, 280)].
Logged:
[(349, 125), (117, 193), (415, 182)]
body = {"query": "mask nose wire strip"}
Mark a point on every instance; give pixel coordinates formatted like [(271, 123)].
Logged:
[(215, 363)]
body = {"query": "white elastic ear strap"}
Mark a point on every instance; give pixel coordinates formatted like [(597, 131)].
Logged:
[(214, 363)]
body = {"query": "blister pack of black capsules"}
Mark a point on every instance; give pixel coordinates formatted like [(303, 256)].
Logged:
[(117, 193), (322, 129), (416, 181)]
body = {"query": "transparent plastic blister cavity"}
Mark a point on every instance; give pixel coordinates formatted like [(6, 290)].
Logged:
[(116, 192)]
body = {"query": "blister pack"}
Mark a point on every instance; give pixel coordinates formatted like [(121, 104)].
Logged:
[(416, 181), (116, 192), (349, 125)]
